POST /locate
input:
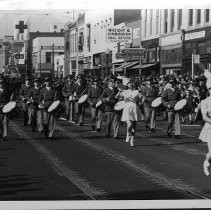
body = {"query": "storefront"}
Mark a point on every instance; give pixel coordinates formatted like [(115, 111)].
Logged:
[(87, 66), (102, 64), (150, 64), (197, 42), (170, 54)]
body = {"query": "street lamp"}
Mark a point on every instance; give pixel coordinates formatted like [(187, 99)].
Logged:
[(57, 62), (107, 51)]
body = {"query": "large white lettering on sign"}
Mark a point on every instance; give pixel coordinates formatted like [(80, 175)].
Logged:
[(123, 35), (195, 35)]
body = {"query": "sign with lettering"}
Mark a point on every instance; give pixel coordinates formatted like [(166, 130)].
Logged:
[(195, 35), (123, 35), (51, 47)]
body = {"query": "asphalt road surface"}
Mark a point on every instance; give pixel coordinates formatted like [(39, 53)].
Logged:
[(79, 164)]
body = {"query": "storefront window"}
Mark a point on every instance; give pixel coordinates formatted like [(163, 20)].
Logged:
[(201, 48)]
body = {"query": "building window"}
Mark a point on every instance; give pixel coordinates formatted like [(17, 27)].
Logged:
[(172, 20), (81, 42), (165, 20), (55, 26), (190, 17), (75, 43), (151, 15), (207, 15), (72, 43), (179, 19), (198, 16), (157, 21), (145, 24), (48, 57), (73, 64)]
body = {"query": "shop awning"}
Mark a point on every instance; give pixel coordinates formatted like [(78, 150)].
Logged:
[(126, 65), (143, 66)]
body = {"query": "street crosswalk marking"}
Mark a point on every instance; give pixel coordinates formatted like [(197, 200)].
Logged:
[(154, 176), (58, 163)]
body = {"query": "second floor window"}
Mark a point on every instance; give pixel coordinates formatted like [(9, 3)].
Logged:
[(207, 15), (48, 57), (165, 21), (172, 20), (179, 19), (198, 17), (190, 17)]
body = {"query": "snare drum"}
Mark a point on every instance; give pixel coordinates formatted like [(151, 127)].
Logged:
[(98, 103), (82, 99), (70, 98), (156, 102), (180, 105), (9, 107), (53, 106), (119, 106), (57, 108)]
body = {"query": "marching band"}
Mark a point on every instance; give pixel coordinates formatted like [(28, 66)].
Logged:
[(117, 98)]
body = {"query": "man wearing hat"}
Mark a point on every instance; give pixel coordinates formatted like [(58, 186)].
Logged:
[(109, 98), (150, 92), (169, 98), (68, 92), (4, 99), (94, 93), (47, 97), (23, 93), (79, 89), (33, 98)]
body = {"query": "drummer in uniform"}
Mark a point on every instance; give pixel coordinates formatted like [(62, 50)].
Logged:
[(79, 90), (68, 92), (4, 99), (23, 93), (33, 97), (169, 98), (47, 97), (94, 93), (149, 92), (109, 98)]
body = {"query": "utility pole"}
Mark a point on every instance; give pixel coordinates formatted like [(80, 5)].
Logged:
[(53, 58), (40, 61)]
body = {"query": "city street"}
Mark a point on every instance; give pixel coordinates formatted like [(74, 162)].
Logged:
[(79, 164)]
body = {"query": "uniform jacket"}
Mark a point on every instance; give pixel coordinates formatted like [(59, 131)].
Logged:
[(170, 97), (24, 91), (108, 93), (94, 93), (48, 96), (150, 93), (35, 95), (78, 89), (4, 96), (68, 90)]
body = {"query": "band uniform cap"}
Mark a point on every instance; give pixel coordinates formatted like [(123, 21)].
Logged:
[(47, 79), (36, 80), (125, 81), (26, 78)]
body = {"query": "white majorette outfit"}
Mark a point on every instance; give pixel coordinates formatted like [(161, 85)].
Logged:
[(131, 111), (205, 134)]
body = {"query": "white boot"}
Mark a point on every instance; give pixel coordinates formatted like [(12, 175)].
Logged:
[(206, 165), (132, 141), (127, 138)]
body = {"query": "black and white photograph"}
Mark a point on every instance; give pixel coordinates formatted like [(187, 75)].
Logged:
[(105, 105)]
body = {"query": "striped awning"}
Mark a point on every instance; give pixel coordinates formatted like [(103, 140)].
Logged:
[(143, 66), (126, 65)]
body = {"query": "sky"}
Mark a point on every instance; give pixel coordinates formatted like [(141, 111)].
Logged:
[(43, 12)]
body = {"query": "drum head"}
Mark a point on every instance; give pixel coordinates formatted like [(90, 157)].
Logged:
[(99, 103), (9, 107), (53, 106), (82, 99), (157, 102), (119, 105), (180, 104), (70, 98)]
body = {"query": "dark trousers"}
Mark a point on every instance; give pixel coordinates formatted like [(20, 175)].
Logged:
[(3, 125), (49, 123), (173, 118), (79, 110), (25, 113), (97, 116), (113, 119), (70, 110)]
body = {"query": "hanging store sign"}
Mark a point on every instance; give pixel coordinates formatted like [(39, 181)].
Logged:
[(51, 47), (195, 35), (132, 53), (123, 35)]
